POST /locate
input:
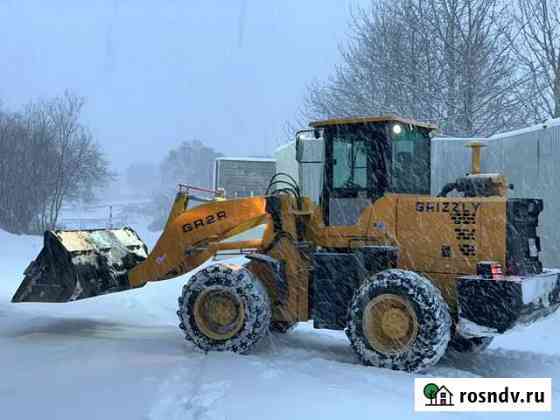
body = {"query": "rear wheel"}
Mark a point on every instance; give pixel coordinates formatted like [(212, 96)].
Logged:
[(224, 308), (399, 320)]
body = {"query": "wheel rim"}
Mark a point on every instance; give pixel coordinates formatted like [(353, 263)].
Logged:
[(219, 314), (390, 323)]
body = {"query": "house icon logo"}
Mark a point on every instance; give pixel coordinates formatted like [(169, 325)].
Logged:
[(438, 396)]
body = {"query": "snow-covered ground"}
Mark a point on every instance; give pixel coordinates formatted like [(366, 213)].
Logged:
[(123, 356)]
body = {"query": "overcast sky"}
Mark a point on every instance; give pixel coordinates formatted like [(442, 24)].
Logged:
[(228, 72)]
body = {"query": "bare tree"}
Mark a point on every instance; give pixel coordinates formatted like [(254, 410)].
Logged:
[(47, 158), (192, 162), (80, 165), (538, 52), (16, 204), (445, 61), (481, 77)]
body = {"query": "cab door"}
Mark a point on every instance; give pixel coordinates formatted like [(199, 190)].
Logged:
[(355, 174)]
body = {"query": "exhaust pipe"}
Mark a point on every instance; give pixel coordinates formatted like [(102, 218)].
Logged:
[(79, 264)]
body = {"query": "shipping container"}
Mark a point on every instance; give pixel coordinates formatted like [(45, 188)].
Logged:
[(243, 176)]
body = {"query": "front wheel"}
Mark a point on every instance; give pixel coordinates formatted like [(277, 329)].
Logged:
[(224, 308), (399, 320)]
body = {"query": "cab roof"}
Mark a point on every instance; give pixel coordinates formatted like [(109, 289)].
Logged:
[(371, 119)]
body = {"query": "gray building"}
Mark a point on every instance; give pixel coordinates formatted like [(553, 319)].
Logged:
[(243, 177), (529, 158)]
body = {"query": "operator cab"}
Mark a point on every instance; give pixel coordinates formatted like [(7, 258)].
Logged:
[(364, 158)]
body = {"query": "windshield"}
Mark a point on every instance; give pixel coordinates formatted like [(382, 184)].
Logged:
[(410, 165), (370, 158)]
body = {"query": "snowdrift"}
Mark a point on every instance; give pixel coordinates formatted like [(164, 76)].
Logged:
[(123, 356)]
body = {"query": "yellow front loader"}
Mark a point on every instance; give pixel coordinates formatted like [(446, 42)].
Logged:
[(407, 275)]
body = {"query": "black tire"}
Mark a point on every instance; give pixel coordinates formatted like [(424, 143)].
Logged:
[(460, 344), (236, 281), (425, 304)]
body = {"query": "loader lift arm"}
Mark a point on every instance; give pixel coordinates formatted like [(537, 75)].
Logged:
[(193, 236)]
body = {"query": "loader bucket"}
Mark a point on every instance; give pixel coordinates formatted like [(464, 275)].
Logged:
[(82, 263)]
